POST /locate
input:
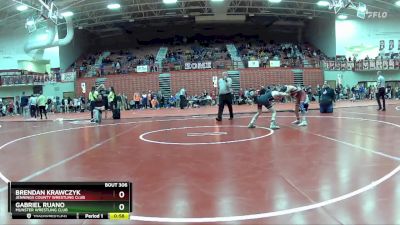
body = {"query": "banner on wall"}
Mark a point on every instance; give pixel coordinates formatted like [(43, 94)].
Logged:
[(372, 65), (343, 65), (83, 87), (350, 66), (365, 65), (198, 66), (339, 78), (391, 44), (68, 77), (381, 45), (385, 64), (379, 64), (253, 64), (100, 81), (275, 63), (391, 64), (142, 69), (215, 81)]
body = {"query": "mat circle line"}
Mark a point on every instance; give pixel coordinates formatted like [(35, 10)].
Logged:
[(142, 136)]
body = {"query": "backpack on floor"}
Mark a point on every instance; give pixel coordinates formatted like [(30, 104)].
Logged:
[(116, 114)]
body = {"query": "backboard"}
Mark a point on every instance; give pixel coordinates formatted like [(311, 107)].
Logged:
[(338, 5), (49, 11)]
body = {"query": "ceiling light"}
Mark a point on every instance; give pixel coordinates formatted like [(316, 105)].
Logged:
[(114, 6), (323, 3), (169, 1), (43, 37), (30, 22), (397, 3), (22, 8), (274, 1), (67, 14), (342, 17)]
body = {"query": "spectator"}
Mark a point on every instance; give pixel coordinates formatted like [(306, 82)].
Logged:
[(42, 101), (25, 105), (327, 99), (32, 105), (93, 94)]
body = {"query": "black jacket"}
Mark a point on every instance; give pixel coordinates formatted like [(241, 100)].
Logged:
[(327, 96)]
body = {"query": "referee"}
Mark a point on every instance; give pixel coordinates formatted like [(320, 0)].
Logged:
[(225, 96), (380, 85), (92, 100)]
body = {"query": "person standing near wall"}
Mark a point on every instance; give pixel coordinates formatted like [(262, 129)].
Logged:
[(327, 99), (24, 105), (32, 105), (92, 100), (41, 102), (225, 96), (381, 89)]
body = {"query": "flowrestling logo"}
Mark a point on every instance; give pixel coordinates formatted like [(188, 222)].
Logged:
[(377, 15)]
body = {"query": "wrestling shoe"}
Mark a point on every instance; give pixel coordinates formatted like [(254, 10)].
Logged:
[(274, 126), (251, 126), (303, 123), (296, 122)]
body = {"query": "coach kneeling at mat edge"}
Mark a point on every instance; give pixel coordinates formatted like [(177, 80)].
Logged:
[(225, 96), (327, 99)]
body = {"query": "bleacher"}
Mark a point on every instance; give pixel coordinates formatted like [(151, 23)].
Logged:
[(222, 55)]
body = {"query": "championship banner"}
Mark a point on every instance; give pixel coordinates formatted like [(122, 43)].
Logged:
[(142, 69), (396, 64), (381, 45), (365, 65), (391, 64), (253, 64), (359, 66), (331, 65), (337, 65), (391, 44), (372, 65), (398, 45), (68, 77), (343, 65), (378, 64), (198, 66), (350, 66), (385, 64)]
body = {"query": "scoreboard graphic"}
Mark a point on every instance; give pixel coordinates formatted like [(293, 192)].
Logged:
[(70, 200)]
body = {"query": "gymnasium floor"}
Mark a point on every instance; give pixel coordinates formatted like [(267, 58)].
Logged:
[(341, 169)]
